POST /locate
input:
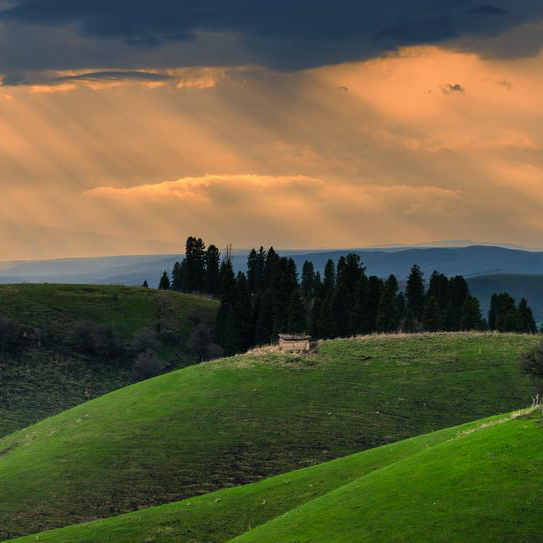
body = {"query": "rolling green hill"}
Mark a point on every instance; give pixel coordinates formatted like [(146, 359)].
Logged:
[(43, 373), (482, 487), (241, 419), (219, 516)]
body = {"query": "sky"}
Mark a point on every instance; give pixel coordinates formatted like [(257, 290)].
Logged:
[(296, 124)]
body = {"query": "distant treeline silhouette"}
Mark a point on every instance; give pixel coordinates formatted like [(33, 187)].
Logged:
[(270, 298)]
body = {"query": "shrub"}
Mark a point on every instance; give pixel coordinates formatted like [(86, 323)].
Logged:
[(97, 339), (531, 362), (143, 340), (146, 365), (11, 335), (201, 343)]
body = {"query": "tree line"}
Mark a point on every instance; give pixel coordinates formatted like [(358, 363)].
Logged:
[(271, 298)]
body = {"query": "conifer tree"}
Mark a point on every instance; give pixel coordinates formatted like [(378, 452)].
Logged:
[(338, 322), (252, 272), (308, 279), (315, 323), (438, 287), (270, 268), (526, 318), (505, 315), (348, 273), (145, 284), (297, 319), (241, 334), (414, 295), (388, 318), (195, 265), (458, 293), (495, 303), (283, 283), (400, 300), (178, 277), (432, 319), (373, 296), (471, 318), (359, 307), (227, 297), (264, 323), (318, 287), (329, 282), (256, 264), (212, 264), (164, 283)]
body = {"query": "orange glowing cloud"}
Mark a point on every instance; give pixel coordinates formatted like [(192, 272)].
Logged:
[(423, 145)]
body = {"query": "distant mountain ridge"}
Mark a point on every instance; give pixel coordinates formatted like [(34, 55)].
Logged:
[(474, 260), (517, 271)]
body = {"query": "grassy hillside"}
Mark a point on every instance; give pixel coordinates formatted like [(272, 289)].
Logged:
[(241, 419), (224, 514), (482, 487), (43, 373), (519, 286)]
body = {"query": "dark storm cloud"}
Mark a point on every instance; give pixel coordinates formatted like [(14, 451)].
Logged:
[(282, 34), (17, 79)]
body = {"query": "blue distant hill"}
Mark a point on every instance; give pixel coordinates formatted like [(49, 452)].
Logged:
[(488, 268)]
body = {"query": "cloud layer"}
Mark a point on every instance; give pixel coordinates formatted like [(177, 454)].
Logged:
[(425, 144), (280, 34)]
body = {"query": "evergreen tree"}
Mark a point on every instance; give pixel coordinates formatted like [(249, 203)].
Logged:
[(495, 302), (308, 279), (318, 287), (414, 294), (358, 314), (338, 322), (164, 283), (315, 323), (145, 284), (240, 330), (438, 287), (195, 265), (388, 317), (329, 282), (400, 300), (212, 276), (226, 309), (503, 313), (264, 323), (178, 276), (471, 317), (526, 320), (252, 263), (458, 293), (226, 277), (284, 282), (432, 319), (297, 320), (349, 271), (255, 312), (373, 296), (270, 268), (256, 263)]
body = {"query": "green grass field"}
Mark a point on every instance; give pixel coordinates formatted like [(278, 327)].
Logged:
[(241, 419), (219, 516), (482, 487), (39, 380), (56, 308)]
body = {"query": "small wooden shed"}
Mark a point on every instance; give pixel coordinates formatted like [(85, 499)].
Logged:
[(294, 343)]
